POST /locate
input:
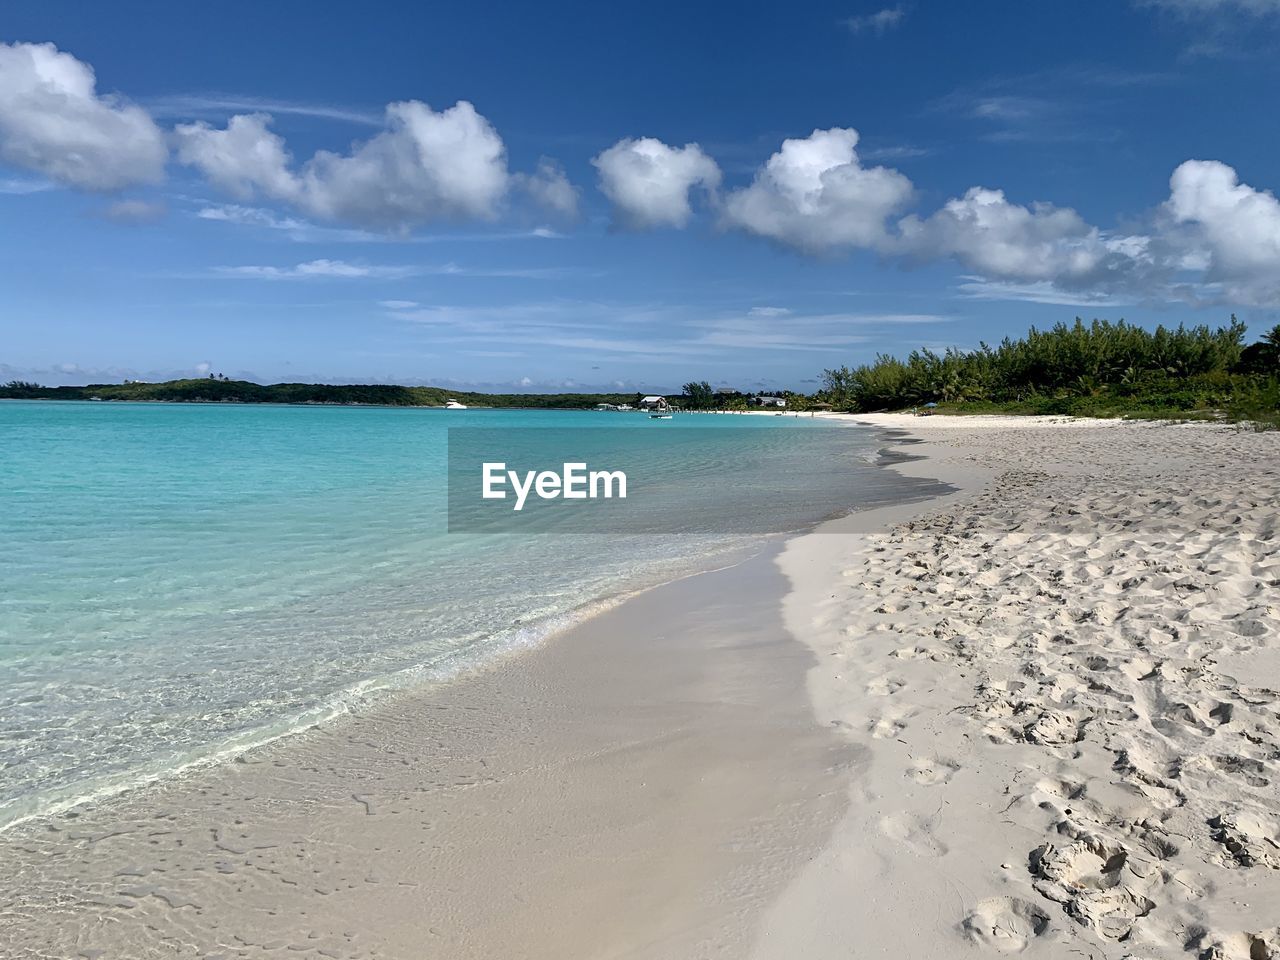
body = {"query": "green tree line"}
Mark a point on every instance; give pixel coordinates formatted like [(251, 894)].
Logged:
[(1091, 369)]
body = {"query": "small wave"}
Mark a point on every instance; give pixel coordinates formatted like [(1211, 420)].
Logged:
[(351, 699)]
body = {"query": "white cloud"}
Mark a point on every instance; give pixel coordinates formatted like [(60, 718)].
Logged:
[(250, 216), (648, 182), (54, 122), (317, 270), (1040, 291), (425, 165), (987, 233), (341, 269), (878, 23), (815, 194), (550, 189), (1214, 241), (188, 106), (1234, 230), (241, 158), (306, 231), (1258, 7)]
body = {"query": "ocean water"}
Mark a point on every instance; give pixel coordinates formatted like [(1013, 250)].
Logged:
[(178, 582)]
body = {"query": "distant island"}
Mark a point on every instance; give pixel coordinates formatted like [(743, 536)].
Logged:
[(1097, 369), (217, 390)]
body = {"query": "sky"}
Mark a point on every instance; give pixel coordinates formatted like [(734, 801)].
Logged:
[(584, 196)]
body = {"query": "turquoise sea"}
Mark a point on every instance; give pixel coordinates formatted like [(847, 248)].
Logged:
[(180, 581)]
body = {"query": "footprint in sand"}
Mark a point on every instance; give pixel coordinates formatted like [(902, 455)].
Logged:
[(1054, 727), (932, 770), (921, 653), (1005, 924), (913, 832), (1245, 946), (888, 725), (1061, 790), (1096, 883), (1251, 839), (884, 686), (1247, 769)]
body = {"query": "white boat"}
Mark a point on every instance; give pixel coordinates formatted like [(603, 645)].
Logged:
[(659, 416), (454, 405)]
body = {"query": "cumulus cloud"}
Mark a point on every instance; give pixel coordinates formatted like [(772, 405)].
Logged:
[(550, 189), (1233, 230), (986, 232), (815, 194), (241, 158), (53, 121), (649, 182), (1215, 240), (425, 165)]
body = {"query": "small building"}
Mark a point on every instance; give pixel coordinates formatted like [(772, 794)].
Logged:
[(654, 403), (769, 401)]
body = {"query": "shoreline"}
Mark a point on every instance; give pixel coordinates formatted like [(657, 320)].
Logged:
[(380, 691), (641, 786), (812, 751), (734, 821)]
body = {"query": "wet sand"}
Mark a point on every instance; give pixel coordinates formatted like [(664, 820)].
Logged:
[(640, 787)]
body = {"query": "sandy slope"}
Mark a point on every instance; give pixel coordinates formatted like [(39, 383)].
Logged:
[(1066, 690), (642, 787)]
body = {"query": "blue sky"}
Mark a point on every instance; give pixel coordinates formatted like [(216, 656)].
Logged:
[(586, 195)]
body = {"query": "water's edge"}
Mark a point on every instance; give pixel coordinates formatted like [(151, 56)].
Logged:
[(495, 651)]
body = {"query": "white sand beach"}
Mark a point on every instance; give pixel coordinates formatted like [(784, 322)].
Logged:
[(1037, 716), (1064, 686)]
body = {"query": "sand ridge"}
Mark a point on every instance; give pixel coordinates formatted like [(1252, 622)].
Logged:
[(1058, 761)]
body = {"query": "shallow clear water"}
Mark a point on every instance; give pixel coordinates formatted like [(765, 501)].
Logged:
[(177, 581)]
